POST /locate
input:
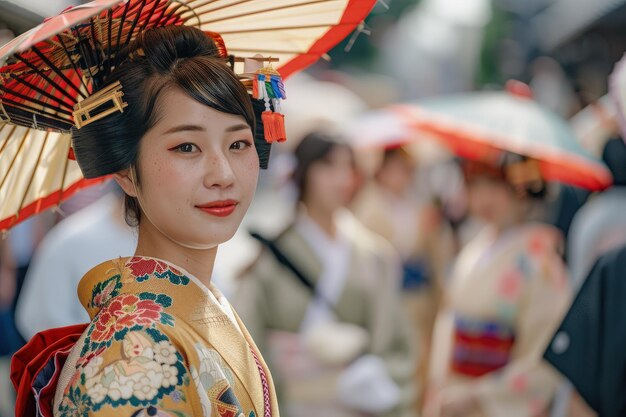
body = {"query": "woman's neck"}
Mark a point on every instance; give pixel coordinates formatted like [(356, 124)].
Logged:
[(325, 219), (198, 262)]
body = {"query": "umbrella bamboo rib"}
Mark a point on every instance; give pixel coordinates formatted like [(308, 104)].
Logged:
[(8, 137), (57, 71), (40, 91), (65, 169), (32, 176), (272, 29), (257, 12), (135, 21), (17, 153), (109, 23), (32, 100), (119, 31), (44, 76), (146, 21), (69, 57), (206, 3)]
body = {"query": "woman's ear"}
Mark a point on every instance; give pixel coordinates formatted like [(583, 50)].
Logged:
[(126, 181)]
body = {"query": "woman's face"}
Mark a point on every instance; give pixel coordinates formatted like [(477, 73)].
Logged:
[(330, 181), (198, 170), (493, 201)]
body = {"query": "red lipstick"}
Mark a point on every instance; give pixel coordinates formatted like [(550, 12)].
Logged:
[(221, 208)]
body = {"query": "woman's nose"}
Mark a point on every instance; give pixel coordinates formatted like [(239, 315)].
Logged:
[(219, 172)]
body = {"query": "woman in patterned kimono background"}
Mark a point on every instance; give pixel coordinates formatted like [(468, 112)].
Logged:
[(162, 339), (507, 294)]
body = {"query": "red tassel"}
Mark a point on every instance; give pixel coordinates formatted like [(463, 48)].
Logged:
[(274, 127), (255, 88), (71, 154)]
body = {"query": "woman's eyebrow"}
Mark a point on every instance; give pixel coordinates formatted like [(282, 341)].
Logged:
[(235, 128), (185, 128)]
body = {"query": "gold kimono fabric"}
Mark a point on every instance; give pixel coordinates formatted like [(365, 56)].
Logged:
[(507, 295), (160, 343)]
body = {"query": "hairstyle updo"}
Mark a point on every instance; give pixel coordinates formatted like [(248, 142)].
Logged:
[(159, 58)]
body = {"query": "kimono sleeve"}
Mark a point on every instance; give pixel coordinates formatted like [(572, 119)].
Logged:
[(141, 373), (526, 385), (589, 346)]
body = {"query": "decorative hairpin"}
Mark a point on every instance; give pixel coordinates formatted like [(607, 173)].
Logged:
[(267, 85), (111, 94)]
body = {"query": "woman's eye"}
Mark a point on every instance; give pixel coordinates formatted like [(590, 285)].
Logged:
[(186, 148), (240, 144)]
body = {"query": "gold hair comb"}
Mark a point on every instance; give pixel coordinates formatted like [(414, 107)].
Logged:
[(111, 94)]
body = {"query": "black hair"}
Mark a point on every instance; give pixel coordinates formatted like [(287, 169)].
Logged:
[(314, 147), (614, 156), (160, 58)]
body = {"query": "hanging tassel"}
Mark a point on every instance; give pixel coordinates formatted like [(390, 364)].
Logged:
[(268, 85), (274, 127)]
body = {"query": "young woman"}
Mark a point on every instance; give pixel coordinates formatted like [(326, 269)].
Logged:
[(162, 339), (507, 294), (324, 297)]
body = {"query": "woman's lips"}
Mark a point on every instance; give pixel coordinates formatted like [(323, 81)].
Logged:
[(222, 208)]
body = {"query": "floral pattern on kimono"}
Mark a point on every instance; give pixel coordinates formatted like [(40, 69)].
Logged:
[(130, 361)]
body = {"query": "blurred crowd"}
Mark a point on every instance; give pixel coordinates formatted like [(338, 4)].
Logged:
[(394, 279)]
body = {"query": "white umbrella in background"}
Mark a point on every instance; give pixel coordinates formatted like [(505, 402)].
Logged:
[(312, 104)]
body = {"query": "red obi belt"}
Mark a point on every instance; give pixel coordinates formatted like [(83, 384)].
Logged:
[(36, 368), (480, 347)]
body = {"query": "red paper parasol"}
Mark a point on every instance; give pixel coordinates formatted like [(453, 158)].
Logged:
[(57, 64), (481, 125)]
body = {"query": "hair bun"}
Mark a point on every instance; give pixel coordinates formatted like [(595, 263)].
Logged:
[(163, 48)]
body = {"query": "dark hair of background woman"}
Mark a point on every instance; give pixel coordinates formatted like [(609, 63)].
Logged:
[(314, 147)]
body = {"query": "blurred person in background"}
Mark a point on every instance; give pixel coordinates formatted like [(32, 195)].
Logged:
[(10, 340), (87, 238), (16, 251), (589, 346), (388, 206), (322, 300), (508, 292), (597, 227)]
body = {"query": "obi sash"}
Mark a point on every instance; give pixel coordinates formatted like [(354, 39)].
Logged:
[(480, 347), (36, 368)]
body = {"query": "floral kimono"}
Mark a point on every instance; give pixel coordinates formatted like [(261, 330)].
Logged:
[(160, 343), (507, 295)]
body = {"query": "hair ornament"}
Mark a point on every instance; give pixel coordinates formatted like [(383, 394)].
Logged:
[(267, 85), (106, 101)]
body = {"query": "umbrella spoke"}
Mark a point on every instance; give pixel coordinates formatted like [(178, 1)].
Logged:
[(32, 100), (157, 4), (46, 77), (40, 91), (262, 11), (272, 29), (119, 33), (32, 176), (17, 154), (65, 169), (69, 58), (135, 21), (8, 137)]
